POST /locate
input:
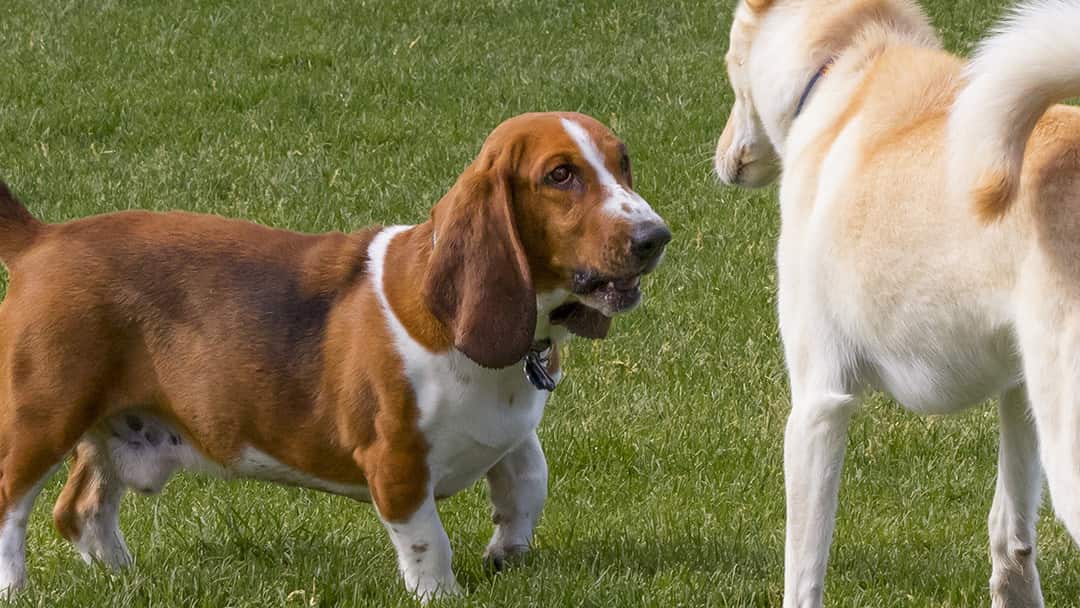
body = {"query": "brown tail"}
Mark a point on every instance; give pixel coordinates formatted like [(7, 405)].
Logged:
[(17, 227)]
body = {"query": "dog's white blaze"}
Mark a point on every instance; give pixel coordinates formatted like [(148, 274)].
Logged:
[(589, 151), (620, 202)]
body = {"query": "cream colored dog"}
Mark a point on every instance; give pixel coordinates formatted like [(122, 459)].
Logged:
[(930, 245)]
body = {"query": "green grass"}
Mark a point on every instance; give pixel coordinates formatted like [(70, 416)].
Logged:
[(664, 441)]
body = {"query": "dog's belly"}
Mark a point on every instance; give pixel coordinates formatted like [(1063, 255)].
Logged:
[(253, 464), (146, 450), (941, 376)]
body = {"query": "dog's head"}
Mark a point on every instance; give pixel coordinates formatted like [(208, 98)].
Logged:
[(542, 229), (744, 155)]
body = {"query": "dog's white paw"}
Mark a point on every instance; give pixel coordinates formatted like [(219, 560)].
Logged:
[(429, 589), (498, 556), (1014, 589)]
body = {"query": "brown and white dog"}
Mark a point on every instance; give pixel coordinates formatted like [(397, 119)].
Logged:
[(385, 365), (929, 247)]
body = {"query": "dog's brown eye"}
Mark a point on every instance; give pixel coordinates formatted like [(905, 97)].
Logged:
[(561, 176)]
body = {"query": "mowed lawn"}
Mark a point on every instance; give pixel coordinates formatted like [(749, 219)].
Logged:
[(664, 441)]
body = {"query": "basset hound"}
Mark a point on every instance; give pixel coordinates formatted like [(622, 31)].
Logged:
[(393, 365)]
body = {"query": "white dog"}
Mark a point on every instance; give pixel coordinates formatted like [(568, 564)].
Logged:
[(930, 245)]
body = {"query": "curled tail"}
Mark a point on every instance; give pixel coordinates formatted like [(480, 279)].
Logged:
[(1029, 63), (17, 227)]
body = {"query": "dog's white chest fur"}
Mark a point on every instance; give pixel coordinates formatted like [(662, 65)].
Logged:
[(471, 416)]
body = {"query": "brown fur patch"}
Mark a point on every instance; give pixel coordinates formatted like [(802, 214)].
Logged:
[(993, 194)]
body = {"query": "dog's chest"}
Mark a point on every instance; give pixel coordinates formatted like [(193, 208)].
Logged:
[(471, 416)]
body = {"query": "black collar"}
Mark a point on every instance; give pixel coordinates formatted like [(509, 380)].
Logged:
[(810, 85)]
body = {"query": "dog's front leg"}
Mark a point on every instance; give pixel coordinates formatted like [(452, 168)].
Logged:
[(813, 457), (518, 490), (423, 552), (1015, 580)]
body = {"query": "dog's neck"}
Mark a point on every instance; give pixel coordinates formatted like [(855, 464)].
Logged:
[(810, 86), (843, 40)]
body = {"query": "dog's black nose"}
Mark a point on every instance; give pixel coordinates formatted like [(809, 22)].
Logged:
[(648, 242)]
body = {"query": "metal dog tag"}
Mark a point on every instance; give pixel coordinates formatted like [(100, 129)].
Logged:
[(536, 367)]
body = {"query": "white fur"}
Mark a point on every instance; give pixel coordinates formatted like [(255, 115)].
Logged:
[(972, 313), (518, 489), (620, 202), (1015, 578), (424, 554), (1027, 65)]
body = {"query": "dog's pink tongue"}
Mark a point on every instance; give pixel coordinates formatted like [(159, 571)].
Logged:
[(582, 321)]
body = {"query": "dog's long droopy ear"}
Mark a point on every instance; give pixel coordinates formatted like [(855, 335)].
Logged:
[(478, 282)]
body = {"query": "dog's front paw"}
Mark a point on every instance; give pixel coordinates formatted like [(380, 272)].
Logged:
[(498, 557), (427, 589)]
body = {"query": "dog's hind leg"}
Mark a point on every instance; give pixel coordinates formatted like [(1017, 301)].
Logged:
[(29, 453), (1015, 579), (15, 508), (27, 459), (88, 510), (1050, 346)]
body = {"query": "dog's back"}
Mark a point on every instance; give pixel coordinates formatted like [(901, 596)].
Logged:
[(152, 309)]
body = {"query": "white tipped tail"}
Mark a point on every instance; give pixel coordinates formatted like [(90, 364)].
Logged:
[(1030, 62)]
